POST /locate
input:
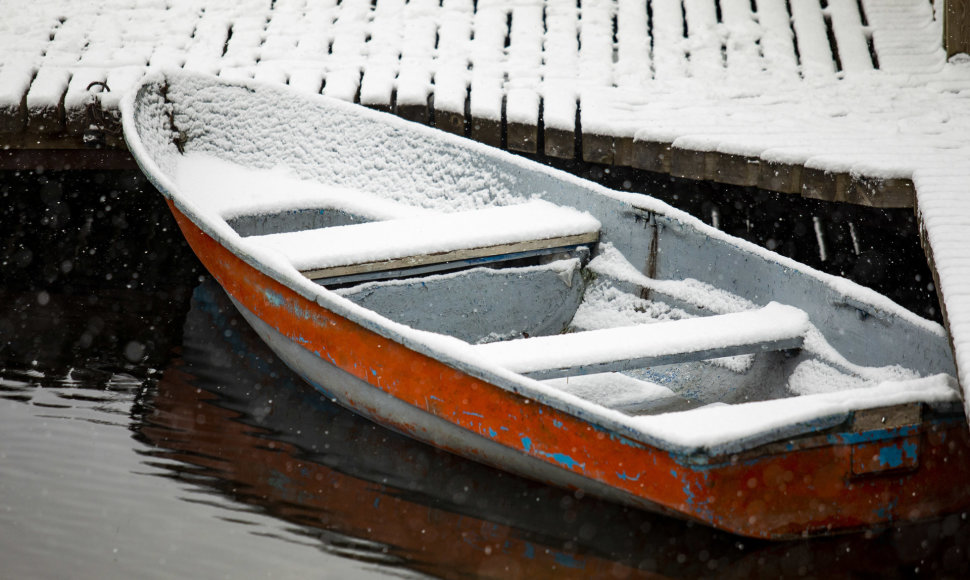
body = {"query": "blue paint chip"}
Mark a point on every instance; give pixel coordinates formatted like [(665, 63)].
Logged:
[(891, 456), (911, 449), (568, 561), (530, 551), (526, 444)]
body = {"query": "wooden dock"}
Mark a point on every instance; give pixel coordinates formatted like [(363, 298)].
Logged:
[(672, 86)]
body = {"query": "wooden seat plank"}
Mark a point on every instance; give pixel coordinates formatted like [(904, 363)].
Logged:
[(770, 328), (437, 238)]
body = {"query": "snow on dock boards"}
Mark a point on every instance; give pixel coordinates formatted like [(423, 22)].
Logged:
[(519, 74), (773, 327), (592, 79)]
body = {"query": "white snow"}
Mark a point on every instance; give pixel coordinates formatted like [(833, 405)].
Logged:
[(427, 234), (770, 323), (718, 423), (229, 191)]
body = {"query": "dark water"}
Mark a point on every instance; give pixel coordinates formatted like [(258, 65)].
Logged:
[(146, 432)]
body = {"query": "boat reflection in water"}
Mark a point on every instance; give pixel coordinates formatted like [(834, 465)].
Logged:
[(236, 420)]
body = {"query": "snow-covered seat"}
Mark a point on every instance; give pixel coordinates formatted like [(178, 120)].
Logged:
[(772, 327), (434, 241)]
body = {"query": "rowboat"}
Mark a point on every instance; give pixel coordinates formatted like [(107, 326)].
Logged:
[(527, 319)]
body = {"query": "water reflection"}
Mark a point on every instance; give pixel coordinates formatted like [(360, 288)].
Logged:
[(228, 416)]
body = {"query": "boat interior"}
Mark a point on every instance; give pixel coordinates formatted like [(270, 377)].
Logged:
[(569, 310)]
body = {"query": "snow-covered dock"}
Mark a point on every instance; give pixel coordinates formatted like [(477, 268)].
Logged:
[(844, 100), (833, 99)]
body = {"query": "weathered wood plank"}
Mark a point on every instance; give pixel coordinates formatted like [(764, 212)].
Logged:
[(823, 185), (344, 65), (652, 156), (559, 92), (780, 177), (777, 41), (742, 49), (45, 101), (736, 169), (875, 192), (512, 250), (487, 97), (669, 57), (596, 78), (633, 58), (623, 151), (705, 60), (522, 86), (956, 26), (812, 39), (771, 328), (850, 37), (384, 55), (413, 101), (451, 77), (15, 81), (597, 148), (691, 164)]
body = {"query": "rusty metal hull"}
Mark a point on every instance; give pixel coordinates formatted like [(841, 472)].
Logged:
[(838, 480)]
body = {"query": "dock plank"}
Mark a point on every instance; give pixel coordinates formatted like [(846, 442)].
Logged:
[(744, 34), (383, 55), (417, 60), (596, 79), (560, 96), (524, 77), (344, 64), (850, 37), (669, 45), (812, 39), (777, 39), (703, 42), (45, 101), (15, 80), (529, 73), (451, 76), (486, 106)]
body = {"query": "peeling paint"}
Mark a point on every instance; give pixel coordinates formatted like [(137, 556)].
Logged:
[(563, 459)]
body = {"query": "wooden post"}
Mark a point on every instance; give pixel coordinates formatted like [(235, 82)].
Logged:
[(956, 27)]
